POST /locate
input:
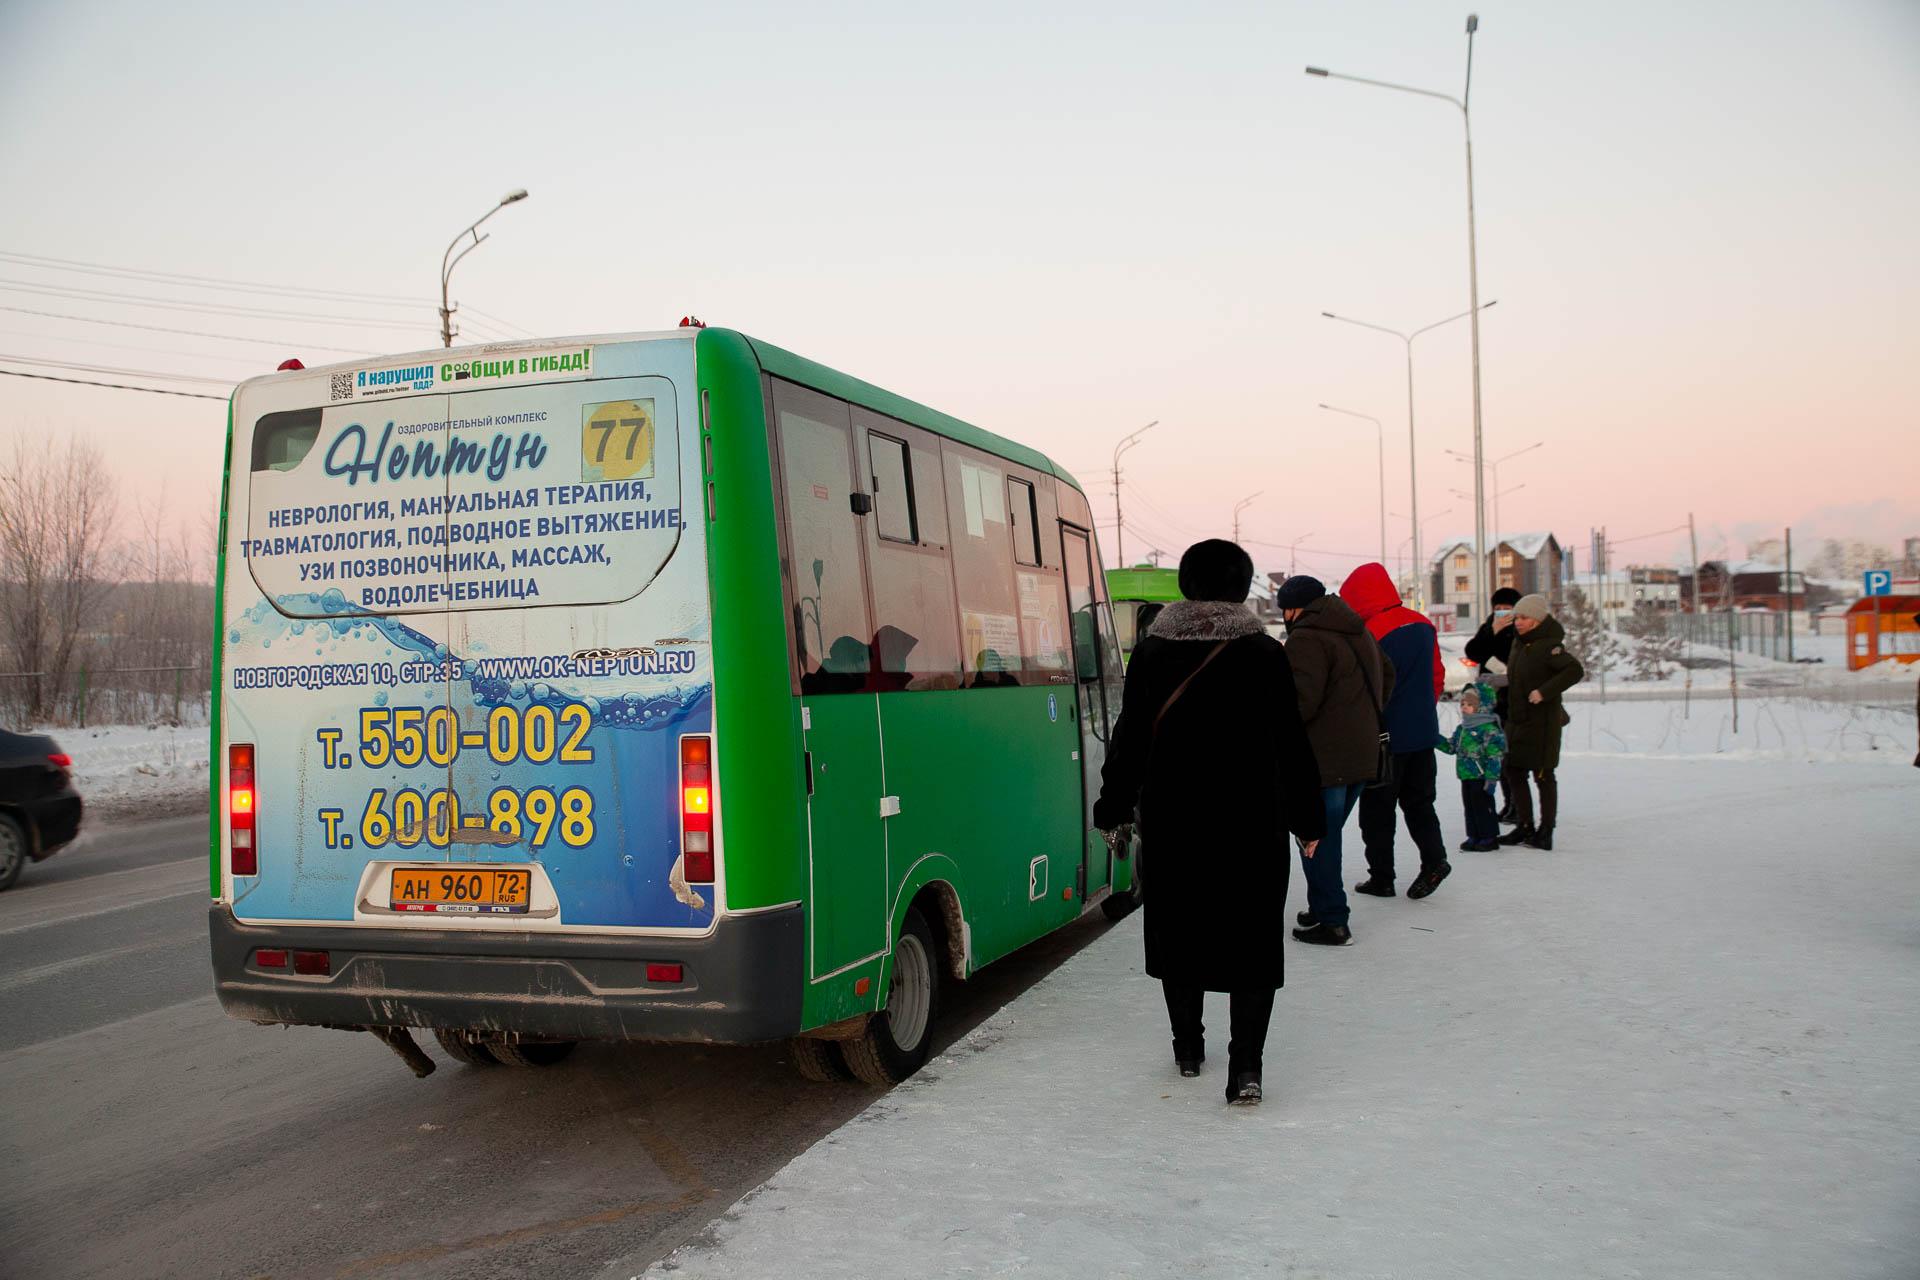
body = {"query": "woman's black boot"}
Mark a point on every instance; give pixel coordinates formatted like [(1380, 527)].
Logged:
[(1188, 1058), (1243, 1089)]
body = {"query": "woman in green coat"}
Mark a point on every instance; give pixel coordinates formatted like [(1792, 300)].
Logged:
[(1539, 671)]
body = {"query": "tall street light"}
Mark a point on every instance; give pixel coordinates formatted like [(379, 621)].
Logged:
[(1119, 529), (1381, 433), (449, 260), (1494, 467), (1293, 554), (1473, 282), (1413, 461), (1419, 568), (1240, 506)]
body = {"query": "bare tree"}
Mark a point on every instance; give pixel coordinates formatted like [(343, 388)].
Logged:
[(57, 510)]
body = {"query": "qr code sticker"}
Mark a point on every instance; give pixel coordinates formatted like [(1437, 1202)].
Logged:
[(343, 386)]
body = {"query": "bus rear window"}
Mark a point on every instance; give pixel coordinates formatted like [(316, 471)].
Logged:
[(564, 493)]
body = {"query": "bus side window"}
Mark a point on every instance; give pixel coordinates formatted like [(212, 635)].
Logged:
[(983, 566), (916, 640), (892, 489), (832, 633), (1026, 538)]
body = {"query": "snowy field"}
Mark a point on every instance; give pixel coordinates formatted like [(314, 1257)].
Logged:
[(130, 772), (1684, 1044)]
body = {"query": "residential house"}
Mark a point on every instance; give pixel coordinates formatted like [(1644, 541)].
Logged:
[(1530, 563), (1747, 584)]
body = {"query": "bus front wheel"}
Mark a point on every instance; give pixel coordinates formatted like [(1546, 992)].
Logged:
[(897, 1038)]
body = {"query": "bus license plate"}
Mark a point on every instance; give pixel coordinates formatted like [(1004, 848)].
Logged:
[(464, 891)]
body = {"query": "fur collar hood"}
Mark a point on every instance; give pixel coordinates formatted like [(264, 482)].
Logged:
[(1205, 620)]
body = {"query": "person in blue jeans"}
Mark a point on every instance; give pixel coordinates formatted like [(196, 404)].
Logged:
[(1343, 683)]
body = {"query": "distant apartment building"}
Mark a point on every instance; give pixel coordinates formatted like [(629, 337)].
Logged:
[(1530, 563)]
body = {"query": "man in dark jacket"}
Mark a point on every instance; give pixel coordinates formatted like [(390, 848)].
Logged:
[(1344, 685), (1210, 711), (1539, 671), (1491, 643), (1409, 642)]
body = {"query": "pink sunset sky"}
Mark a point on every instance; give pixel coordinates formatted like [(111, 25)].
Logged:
[(1057, 223)]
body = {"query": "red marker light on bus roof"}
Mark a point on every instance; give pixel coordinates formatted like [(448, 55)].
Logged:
[(291, 364), (240, 810), (696, 809)]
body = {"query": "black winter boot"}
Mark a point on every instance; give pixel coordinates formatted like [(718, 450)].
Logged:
[(1326, 935), (1428, 881), (1306, 920), (1243, 1089), (1541, 839), (1375, 886), (1519, 835), (1188, 1058)]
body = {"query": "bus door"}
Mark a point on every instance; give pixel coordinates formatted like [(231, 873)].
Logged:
[(834, 638), (576, 607), (354, 604), (1096, 686)]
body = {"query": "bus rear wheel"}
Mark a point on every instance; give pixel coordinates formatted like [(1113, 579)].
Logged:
[(818, 1060), (462, 1047), (531, 1053), (897, 1038)]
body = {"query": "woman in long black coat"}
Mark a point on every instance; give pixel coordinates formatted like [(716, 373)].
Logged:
[(1210, 750)]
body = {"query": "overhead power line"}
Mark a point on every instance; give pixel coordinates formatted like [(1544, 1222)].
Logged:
[(227, 357), (117, 386), (191, 333), (219, 284), (125, 373), (209, 282), (199, 308)]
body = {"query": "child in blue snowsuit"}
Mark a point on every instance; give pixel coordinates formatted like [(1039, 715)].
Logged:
[(1478, 748)]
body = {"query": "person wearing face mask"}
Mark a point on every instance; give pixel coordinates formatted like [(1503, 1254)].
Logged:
[(1539, 671), (1343, 685)]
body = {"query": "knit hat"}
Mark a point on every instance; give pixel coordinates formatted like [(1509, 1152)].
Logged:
[(1299, 591), (1534, 607), (1216, 570), (1507, 596)]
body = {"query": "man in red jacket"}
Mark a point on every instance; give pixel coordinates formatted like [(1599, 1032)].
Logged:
[(1408, 641)]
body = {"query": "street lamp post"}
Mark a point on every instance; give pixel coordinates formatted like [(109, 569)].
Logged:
[(1240, 506), (1381, 433), (1494, 467), (1473, 283), (1293, 554), (1119, 529), (1413, 467), (449, 260), (1419, 568)]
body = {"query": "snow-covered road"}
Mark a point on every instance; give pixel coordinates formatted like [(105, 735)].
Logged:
[(1684, 1044)]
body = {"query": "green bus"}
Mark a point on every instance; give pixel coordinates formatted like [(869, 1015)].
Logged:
[(1133, 589), (665, 686)]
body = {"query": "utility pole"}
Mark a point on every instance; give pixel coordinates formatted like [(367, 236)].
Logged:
[(1238, 507), (1119, 529), (1787, 584), (1693, 540), (1600, 613), (449, 260)]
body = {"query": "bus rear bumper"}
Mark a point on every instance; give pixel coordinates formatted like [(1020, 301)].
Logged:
[(740, 984)]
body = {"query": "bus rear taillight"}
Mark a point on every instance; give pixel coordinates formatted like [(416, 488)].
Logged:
[(696, 809), (246, 855)]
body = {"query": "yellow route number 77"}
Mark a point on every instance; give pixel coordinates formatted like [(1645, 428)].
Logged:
[(616, 440)]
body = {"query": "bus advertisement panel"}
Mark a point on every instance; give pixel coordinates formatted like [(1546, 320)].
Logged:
[(466, 635)]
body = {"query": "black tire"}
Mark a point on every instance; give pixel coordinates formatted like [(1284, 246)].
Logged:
[(913, 1001), (531, 1053), (461, 1048), (13, 851), (818, 1060), (1118, 906)]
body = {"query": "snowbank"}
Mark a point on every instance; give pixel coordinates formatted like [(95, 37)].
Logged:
[(1667, 1049), (137, 771)]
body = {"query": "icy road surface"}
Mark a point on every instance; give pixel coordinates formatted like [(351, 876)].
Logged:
[(1685, 1044)]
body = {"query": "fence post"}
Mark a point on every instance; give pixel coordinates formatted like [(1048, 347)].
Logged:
[(1733, 668), (80, 703)]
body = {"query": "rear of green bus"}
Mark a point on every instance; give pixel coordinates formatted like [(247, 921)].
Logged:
[(465, 744)]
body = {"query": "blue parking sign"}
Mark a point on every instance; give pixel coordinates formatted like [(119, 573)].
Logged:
[(1879, 582)]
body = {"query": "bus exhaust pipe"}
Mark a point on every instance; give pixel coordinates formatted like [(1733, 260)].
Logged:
[(400, 1040)]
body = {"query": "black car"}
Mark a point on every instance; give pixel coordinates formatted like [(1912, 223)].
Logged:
[(39, 809)]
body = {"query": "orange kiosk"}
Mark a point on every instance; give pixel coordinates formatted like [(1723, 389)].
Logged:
[(1881, 628)]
